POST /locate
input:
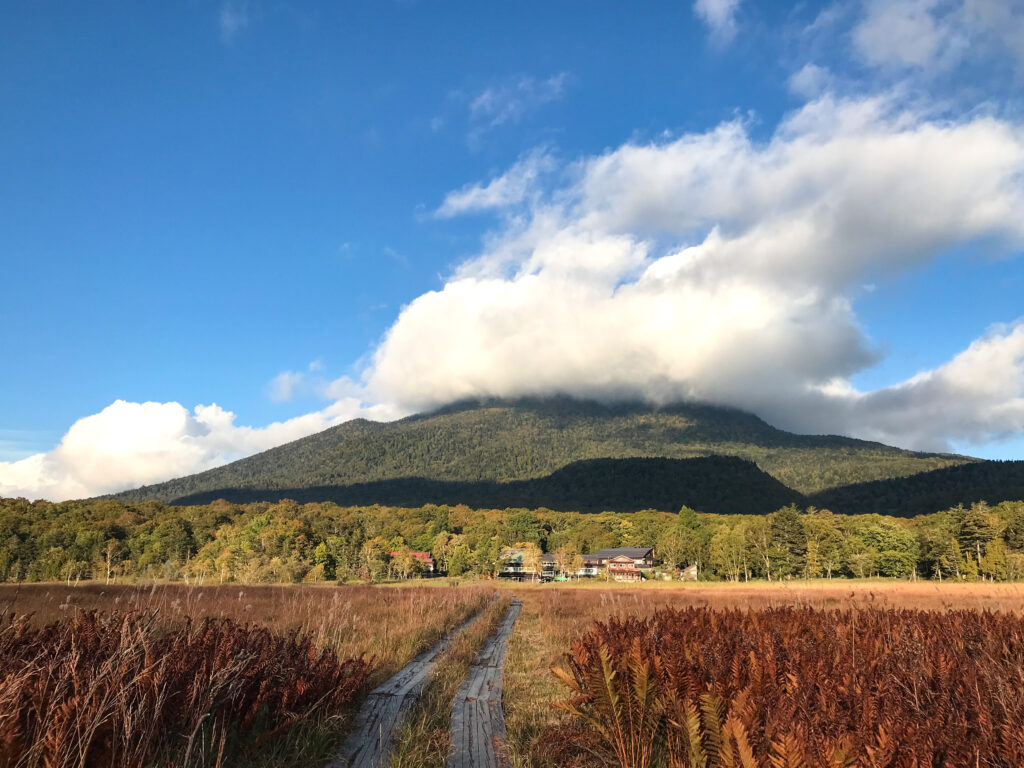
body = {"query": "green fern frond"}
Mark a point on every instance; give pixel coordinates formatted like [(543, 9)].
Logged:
[(694, 730)]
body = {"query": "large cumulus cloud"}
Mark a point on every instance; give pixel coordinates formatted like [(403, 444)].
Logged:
[(715, 267)]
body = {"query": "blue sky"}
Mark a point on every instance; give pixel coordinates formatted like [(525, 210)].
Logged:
[(231, 203)]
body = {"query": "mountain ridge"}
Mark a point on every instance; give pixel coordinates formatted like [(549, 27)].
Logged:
[(502, 441)]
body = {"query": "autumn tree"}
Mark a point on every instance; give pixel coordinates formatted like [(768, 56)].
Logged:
[(531, 557), (824, 535), (460, 560), (374, 559), (442, 547), (576, 564), (697, 535), (729, 551), (564, 557), (673, 547)]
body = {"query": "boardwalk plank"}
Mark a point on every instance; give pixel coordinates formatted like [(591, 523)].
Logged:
[(478, 720), (386, 707)]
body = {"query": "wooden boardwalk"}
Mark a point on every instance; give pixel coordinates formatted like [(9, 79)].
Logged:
[(386, 707), (478, 720)]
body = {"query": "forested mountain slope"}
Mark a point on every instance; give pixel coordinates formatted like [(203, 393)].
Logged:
[(503, 441)]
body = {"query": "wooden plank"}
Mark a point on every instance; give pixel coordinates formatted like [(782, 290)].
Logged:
[(478, 720), (386, 707)]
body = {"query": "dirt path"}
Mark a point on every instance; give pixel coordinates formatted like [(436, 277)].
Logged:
[(478, 720), (386, 707)]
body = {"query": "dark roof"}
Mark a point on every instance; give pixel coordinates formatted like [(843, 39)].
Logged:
[(634, 552)]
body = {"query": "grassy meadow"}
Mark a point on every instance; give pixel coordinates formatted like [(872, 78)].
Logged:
[(172, 675), (554, 616), (363, 634)]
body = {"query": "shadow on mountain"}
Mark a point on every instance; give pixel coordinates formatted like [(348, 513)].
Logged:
[(720, 484), (927, 492)]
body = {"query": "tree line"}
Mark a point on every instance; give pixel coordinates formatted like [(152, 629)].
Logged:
[(286, 541)]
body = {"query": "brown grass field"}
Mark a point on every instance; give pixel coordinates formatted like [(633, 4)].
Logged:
[(178, 676), (393, 623), (554, 616), (390, 625)]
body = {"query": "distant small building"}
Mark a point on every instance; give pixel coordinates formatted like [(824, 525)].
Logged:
[(513, 567), (642, 557), (624, 568), (423, 557), (548, 567), (689, 574), (620, 563)]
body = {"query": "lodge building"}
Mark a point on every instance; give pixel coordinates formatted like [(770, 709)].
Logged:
[(619, 563)]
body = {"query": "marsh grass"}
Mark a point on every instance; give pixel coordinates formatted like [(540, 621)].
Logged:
[(765, 688), (553, 616), (122, 689), (392, 625), (271, 646), (395, 623)]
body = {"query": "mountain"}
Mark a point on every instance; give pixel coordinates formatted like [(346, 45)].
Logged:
[(500, 442), (721, 484)]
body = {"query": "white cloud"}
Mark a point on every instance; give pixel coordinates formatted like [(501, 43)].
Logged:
[(810, 81), (716, 267), (233, 18), (285, 385), (509, 189), (978, 396), (935, 35), (510, 101), (131, 444), (288, 385), (1003, 19), (719, 16), (903, 32)]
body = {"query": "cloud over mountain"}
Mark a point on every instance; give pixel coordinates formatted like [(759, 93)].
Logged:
[(711, 266), (716, 267), (722, 265)]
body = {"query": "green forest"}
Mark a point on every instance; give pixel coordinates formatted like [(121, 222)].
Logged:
[(221, 542)]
